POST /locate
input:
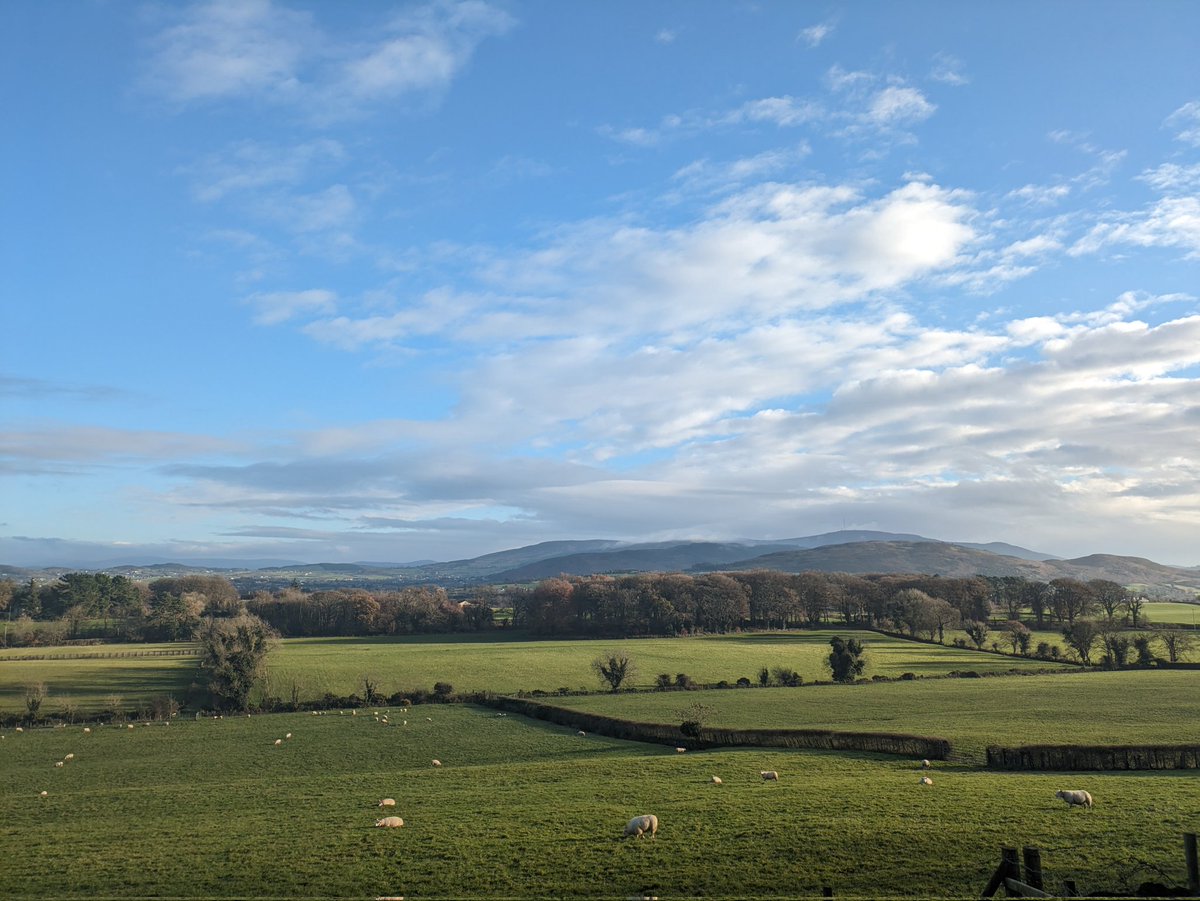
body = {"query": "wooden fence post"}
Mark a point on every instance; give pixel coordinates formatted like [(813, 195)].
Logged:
[(1033, 866), (1193, 863)]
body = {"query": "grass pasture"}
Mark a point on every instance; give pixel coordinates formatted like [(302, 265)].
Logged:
[(1163, 613), (1128, 707), (212, 809), (337, 665)]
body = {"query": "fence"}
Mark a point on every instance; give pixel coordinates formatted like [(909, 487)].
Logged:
[(107, 655)]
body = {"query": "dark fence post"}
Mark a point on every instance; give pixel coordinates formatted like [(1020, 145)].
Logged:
[(1033, 866), (1069, 889), (1193, 865)]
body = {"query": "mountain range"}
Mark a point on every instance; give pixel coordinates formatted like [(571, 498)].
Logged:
[(847, 551)]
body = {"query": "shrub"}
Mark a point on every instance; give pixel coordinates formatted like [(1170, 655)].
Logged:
[(684, 681), (723, 684), (163, 707), (662, 681), (764, 677), (443, 690), (787, 676), (743, 682), (908, 677)]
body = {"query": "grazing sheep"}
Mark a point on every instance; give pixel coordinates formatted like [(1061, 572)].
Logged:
[(69, 757), (769, 775), (390, 822), (44, 795), (19, 729), (87, 731), (130, 726), (60, 763), (278, 742), (436, 762), (289, 735), (925, 764), (681, 750), (388, 802), (1075, 798), (639, 826), (716, 780), (429, 718), (582, 734), (925, 780)]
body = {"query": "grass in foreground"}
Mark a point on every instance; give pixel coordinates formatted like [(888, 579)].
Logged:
[(212, 809), (1129, 707)]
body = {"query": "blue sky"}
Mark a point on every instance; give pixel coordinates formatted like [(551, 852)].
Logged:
[(399, 281)]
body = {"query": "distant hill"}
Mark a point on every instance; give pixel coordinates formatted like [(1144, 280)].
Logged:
[(850, 551)]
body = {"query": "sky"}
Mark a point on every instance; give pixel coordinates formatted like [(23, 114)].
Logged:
[(424, 280)]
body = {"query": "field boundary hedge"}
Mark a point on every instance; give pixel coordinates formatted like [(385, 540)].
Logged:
[(662, 733), (1095, 757)]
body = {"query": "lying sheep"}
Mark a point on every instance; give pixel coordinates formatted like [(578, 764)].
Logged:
[(436, 762), (44, 795), (925, 764), (390, 822), (59, 763), (69, 757), (769, 775), (925, 780), (388, 802), (86, 730), (716, 780), (289, 735), (1075, 798), (582, 734), (639, 826), (680, 750)]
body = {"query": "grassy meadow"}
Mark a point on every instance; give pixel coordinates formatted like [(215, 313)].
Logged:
[(315, 666), (213, 809), (1129, 707)]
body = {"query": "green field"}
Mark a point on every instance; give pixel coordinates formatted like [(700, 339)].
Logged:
[(315, 666), (1129, 707), (337, 665), (212, 809), (1162, 613)]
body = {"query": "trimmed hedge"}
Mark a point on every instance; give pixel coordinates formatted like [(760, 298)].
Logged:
[(1095, 757), (662, 733)]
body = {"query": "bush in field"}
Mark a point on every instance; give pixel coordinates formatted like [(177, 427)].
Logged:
[(442, 690), (764, 677), (1141, 644), (846, 661), (662, 681), (1081, 637), (977, 631), (614, 668), (684, 681), (233, 654), (743, 682), (784, 675), (35, 694)]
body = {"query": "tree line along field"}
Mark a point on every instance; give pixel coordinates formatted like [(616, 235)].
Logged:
[(316, 666), (213, 809)]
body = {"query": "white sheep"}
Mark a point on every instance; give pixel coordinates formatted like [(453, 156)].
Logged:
[(925, 764), (769, 775), (278, 742), (582, 734), (429, 718), (19, 729), (1075, 798), (436, 762), (69, 757), (639, 826), (87, 731), (289, 735), (130, 726), (390, 822), (388, 802), (60, 763), (44, 795), (925, 780), (716, 780), (681, 750)]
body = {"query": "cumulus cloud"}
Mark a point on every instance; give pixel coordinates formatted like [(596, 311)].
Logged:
[(899, 106)]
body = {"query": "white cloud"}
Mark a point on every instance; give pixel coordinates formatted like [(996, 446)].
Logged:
[(948, 70), (1186, 123), (1172, 178), (275, 307), (899, 106), (330, 209), (249, 166), (781, 111), (1172, 222), (815, 34), (254, 49), (666, 36)]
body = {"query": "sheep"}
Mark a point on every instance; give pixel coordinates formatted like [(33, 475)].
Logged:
[(925, 764), (278, 742), (681, 750), (429, 718), (130, 726), (69, 757), (925, 780), (716, 780), (19, 729), (639, 826), (60, 763), (388, 802), (87, 731), (436, 762), (44, 795), (769, 775), (390, 822), (289, 735), (582, 734), (1075, 798)]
